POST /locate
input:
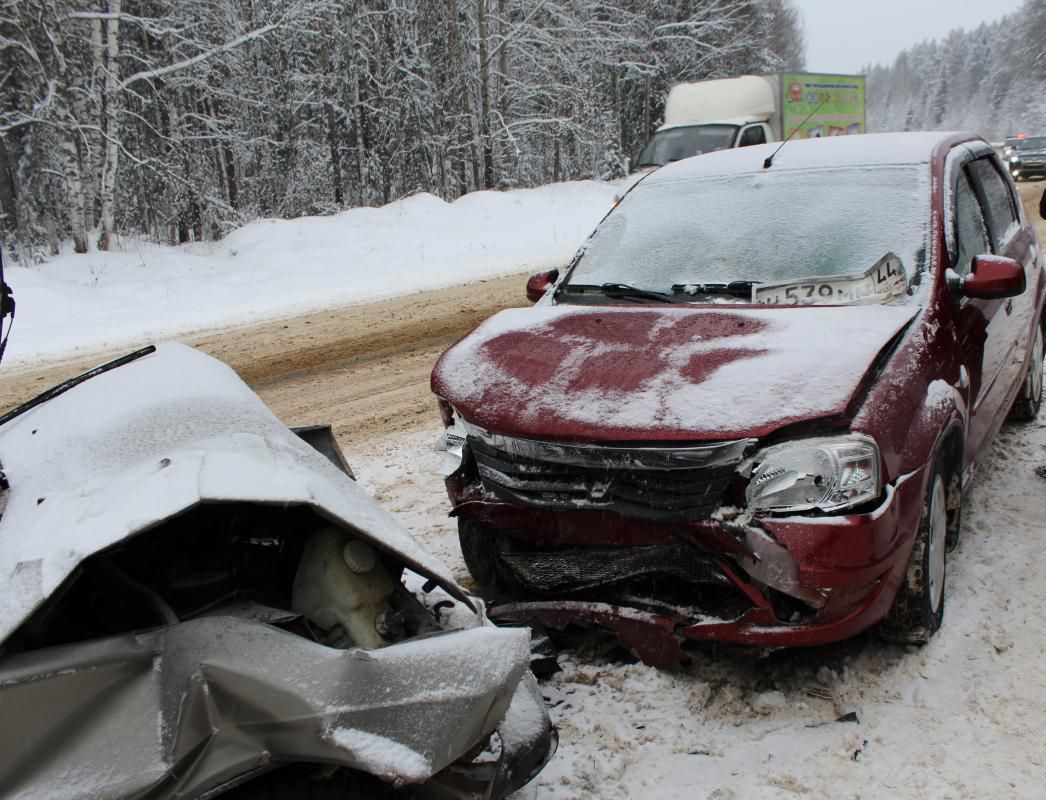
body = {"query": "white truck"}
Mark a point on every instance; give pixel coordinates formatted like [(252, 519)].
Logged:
[(704, 116)]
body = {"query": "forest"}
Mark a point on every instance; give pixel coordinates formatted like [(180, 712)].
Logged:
[(990, 80), (178, 120)]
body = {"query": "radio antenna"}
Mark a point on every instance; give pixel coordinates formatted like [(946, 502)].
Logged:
[(769, 160)]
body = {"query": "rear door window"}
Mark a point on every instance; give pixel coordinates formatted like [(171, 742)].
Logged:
[(997, 202)]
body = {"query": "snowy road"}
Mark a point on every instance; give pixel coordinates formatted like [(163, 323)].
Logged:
[(364, 368)]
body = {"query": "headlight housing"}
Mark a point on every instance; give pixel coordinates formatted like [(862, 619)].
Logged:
[(1014, 159), (826, 474), (451, 442)]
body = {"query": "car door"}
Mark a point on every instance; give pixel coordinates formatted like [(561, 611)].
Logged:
[(976, 326), (1006, 321)]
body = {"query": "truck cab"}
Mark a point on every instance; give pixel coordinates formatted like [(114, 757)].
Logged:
[(683, 141)]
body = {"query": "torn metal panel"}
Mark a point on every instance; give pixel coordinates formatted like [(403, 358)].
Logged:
[(182, 709), (139, 445), (187, 589), (775, 567)]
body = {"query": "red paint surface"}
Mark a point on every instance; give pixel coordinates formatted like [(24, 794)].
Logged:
[(542, 373)]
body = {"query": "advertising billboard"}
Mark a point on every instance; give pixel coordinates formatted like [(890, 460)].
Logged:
[(841, 101)]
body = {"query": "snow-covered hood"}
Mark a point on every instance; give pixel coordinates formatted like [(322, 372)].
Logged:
[(143, 443), (665, 373)]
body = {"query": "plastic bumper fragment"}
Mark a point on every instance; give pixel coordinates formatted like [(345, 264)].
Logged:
[(651, 636)]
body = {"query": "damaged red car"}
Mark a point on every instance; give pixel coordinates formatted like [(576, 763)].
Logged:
[(749, 408)]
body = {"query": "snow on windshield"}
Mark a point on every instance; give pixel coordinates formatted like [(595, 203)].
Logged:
[(765, 227)]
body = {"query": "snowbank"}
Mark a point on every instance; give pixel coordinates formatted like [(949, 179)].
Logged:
[(273, 268)]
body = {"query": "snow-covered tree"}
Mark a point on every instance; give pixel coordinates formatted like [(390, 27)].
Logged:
[(178, 119), (990, 80)]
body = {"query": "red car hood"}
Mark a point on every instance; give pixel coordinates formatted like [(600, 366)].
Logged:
[(665, 373)]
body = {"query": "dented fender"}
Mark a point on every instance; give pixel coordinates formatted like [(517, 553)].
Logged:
[(180, 710)]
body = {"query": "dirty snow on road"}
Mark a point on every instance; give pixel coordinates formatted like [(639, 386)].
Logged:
[(959, 718), (274, 268)]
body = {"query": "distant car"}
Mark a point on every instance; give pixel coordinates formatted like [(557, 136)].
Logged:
[(1010, 144), (749, 409), (1028, 158)]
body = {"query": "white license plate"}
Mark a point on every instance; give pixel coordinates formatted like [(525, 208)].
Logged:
[(884, 281)]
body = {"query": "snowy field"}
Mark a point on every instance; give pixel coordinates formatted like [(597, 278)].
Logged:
[(959, 718), (273, 268)]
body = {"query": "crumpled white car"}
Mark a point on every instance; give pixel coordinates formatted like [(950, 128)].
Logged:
[(196, 601)]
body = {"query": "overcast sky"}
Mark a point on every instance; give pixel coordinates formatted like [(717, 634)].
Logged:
[(846, 35)]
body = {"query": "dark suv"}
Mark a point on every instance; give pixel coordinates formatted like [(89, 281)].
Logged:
[(1028, 158)]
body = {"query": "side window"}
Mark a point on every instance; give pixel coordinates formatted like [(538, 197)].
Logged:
[(752, 135), (997, 200), (971, 234)]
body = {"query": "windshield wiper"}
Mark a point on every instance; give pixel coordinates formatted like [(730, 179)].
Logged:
[(619, 290), (742, 289)]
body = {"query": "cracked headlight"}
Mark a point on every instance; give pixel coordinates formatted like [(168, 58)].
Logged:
[(828, 474), (451, 444)]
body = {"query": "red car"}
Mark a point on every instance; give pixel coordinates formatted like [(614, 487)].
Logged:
[(749, 408)]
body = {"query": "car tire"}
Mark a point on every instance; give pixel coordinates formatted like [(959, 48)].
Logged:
[(1026, 406), (479, 549), (954, 497), (918, 609)]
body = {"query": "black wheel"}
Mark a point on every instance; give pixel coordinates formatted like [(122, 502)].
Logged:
[(919, 606), (480, 551), (481, 548), (1026, 406)]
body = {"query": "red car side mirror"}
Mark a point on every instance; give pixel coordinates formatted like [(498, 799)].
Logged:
[(994, 277), (541, 283)]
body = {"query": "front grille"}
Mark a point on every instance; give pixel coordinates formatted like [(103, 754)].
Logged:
[(566, 571), (661, 484)]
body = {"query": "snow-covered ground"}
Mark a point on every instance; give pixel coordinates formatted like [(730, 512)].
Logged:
[(272, 268), (959, 718)]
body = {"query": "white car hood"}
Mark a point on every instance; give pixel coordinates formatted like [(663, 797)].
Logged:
[(142, 443)]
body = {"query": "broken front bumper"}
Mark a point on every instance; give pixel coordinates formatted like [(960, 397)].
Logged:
[(188, 709), (843, 570)]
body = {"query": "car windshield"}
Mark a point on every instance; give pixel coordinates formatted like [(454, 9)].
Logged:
[(676, 144), (1032, 143), (763, 229)]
